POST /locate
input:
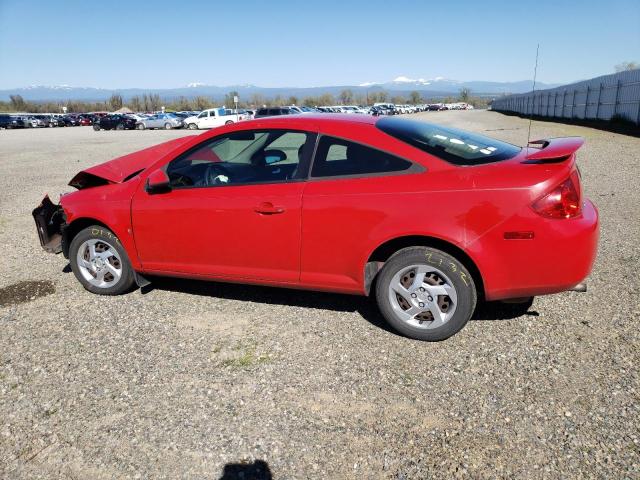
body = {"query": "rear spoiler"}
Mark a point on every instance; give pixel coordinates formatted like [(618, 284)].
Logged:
[(553, 150)]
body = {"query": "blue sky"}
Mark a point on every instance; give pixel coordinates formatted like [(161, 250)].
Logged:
[(156, 44)]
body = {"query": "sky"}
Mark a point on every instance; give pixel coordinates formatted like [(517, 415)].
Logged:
[(304, 43)]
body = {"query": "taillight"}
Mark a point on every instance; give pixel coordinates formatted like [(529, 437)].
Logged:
[(563, 201)]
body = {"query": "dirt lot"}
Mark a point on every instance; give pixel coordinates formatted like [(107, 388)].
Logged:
[(194, 379)]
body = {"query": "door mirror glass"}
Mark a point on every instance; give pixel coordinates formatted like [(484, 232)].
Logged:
[(274, 156), (158, 182)]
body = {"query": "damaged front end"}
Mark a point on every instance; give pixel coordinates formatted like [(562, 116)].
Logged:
[(50, 223)]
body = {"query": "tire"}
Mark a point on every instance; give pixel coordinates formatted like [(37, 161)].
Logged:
[(140, 126), (106, 272), (167, 126), (193, 126), (228, 122), (120, 126), (408, 303), (96, 127)]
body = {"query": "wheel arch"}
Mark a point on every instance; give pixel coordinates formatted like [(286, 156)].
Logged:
[(383, 252), (73, 228)]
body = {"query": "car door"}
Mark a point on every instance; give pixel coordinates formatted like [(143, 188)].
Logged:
[(347, 201), (154, 121), (219, 118), (200, 119), (203, 119), (233, 209)]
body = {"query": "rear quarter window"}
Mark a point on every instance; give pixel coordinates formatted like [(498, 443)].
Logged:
[(336, 157)]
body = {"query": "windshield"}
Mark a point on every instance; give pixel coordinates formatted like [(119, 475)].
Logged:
[(450, 144)]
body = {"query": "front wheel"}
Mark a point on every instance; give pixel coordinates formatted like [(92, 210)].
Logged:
[(140, 126), (193, 126), (425, 294), (228, 122), (99, 261), (96, 127), (120, 126), (167, 126)]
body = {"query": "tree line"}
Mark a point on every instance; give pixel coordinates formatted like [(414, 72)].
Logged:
[(153, 102)]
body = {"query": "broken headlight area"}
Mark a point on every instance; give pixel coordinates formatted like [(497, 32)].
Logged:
[(50, 224)]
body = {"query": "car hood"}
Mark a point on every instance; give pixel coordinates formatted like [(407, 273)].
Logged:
[(122, 168)]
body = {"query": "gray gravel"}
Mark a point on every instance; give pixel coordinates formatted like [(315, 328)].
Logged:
[(191, 377)]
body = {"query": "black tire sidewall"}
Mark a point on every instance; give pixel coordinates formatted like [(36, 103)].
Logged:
[(456, 272), (99, 232)]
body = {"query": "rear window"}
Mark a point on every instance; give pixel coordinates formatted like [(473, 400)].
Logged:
[(450, 144)]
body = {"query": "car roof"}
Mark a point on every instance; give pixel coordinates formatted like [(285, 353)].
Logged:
[(310, 119)]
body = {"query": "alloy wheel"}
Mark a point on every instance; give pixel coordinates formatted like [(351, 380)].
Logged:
[(99, 263), (422, 296)]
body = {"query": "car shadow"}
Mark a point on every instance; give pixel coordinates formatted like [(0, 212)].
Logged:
[(364, 306), (258, 470)]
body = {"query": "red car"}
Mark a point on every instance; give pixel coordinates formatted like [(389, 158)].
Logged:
[(85, 121), (428, 218)]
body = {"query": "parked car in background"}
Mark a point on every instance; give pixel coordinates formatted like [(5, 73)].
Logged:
[(138, 116), (212, 118), (303, 109), (86, 120), (33, 122), (70, 120), (10, 121), (181, 115), (114, 122), (275, 111), (166, 121), (57, 121)]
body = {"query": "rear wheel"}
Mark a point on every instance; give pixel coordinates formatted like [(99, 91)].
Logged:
[(96, 127), (228, 122), (425, 293), (140, 126), (99, 261), (120, 126), (167, 126)]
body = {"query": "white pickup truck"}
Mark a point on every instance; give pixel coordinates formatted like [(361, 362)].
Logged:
[(213, 117)]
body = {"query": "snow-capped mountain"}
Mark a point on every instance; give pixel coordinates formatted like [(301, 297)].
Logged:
[(400, 85)]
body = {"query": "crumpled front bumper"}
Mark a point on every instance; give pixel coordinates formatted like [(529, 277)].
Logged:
[(50, 224)]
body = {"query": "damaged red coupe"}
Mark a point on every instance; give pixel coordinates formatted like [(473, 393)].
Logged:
[(429, 219)]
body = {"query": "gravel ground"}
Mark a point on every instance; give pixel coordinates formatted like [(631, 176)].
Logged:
[(202, 380)]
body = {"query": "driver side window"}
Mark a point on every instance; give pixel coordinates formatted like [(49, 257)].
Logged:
[(244, 157)]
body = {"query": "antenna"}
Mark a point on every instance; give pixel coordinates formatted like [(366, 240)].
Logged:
[(533, 92)]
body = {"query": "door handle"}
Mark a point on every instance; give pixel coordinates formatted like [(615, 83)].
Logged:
[(268, 208)]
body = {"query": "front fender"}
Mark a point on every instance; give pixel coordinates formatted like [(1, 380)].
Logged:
[(110, 206)]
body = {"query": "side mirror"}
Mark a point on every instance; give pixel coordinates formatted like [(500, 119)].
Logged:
[(157, 182), (274, 156)]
